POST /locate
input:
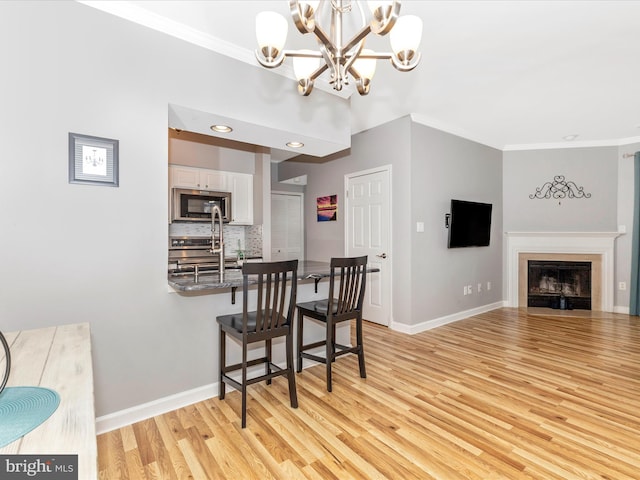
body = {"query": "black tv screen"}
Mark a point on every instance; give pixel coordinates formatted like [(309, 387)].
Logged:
[(469, 224)]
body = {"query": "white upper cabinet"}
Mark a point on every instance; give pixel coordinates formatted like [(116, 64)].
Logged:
[(184, 177), (241, 198), (214, 180), (199, 178), (239, 184)]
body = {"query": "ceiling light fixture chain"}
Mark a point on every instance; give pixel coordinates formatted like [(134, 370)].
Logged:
[(343, 60)]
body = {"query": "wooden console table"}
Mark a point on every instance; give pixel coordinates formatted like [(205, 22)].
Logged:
[(58, 358)]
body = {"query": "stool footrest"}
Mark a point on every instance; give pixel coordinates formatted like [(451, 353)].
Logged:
[(277, 371)]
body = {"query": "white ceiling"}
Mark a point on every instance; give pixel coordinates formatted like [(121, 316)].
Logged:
[(509, 74)]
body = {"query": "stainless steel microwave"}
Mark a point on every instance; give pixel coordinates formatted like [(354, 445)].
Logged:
[(195, 205)]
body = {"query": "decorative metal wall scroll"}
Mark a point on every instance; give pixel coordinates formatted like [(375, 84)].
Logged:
[(560, 188)]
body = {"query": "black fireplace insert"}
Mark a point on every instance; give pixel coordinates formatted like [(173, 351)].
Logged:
[(559, 284)]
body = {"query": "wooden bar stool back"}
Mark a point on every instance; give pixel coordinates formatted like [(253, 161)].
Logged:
[(347, 283), (272, 318)]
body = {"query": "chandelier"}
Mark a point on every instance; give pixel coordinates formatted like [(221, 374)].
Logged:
[(344, 60)]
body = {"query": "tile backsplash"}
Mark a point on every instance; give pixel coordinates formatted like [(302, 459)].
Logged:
[(249, 237)]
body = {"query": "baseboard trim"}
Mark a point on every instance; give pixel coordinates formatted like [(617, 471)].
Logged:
[(438, 322), (144, 411), (128, 416), (624, 310)]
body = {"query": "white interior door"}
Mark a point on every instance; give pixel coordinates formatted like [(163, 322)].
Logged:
[(368, 232), (287, 226)]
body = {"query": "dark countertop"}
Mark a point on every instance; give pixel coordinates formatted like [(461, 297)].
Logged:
[(233, 277)]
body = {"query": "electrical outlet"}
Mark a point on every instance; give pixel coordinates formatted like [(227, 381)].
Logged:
[(622, 285), (488, 285), (470, 289), (464, 290), (479, 287)]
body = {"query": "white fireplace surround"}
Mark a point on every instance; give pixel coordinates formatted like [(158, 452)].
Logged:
[(595, 243)]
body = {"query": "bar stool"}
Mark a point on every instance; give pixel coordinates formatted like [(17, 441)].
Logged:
[(344, 303), (272, 318)]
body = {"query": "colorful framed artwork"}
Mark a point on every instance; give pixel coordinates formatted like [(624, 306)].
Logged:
[(327, 208)]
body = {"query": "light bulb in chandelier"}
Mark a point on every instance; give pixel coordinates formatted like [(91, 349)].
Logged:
[(405, 38), (364, 70), (271, 33)]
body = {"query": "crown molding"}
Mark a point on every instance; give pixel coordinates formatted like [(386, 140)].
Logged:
[(574, 144)]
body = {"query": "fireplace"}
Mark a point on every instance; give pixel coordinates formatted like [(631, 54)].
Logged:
[(594, 247), (559, 284)]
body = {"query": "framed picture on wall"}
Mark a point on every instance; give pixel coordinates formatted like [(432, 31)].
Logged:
[(327, 208), (93, 160)]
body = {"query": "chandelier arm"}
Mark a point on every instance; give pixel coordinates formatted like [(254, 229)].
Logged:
[(372, 55), (354, 73), (276, 62), (303, 24), (318, 72), (408, 66), (357, 38), (350, 59), (382, 26), (324, 39), (362, 84), (305, 86), (301, 54), (332, 65)]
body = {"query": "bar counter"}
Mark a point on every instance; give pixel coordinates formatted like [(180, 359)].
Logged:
[(233, 277)]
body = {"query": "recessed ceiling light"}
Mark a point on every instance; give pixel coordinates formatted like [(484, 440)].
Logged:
[(571, 137), (221, 128), (295, 144)]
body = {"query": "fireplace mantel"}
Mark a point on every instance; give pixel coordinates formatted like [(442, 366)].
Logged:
[(595, 243)]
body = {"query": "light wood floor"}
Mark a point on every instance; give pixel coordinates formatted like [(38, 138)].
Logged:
[(503, 395)]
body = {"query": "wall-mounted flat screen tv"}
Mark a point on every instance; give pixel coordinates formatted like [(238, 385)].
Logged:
[(469, 224)]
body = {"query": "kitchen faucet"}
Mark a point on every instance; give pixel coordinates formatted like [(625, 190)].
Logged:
[(217, 245)]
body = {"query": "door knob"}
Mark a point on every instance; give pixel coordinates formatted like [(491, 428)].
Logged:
[(382, 255)]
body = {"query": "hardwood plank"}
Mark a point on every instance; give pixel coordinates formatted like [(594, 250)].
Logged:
[(502, 395), (135, 469), (128, 438), (170, 435), (233, 441)]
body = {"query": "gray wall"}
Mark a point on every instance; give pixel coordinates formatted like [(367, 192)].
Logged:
[(602, 171), (429, 168), (76, 253), (595, 169), (446, 167), (278, 186)]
